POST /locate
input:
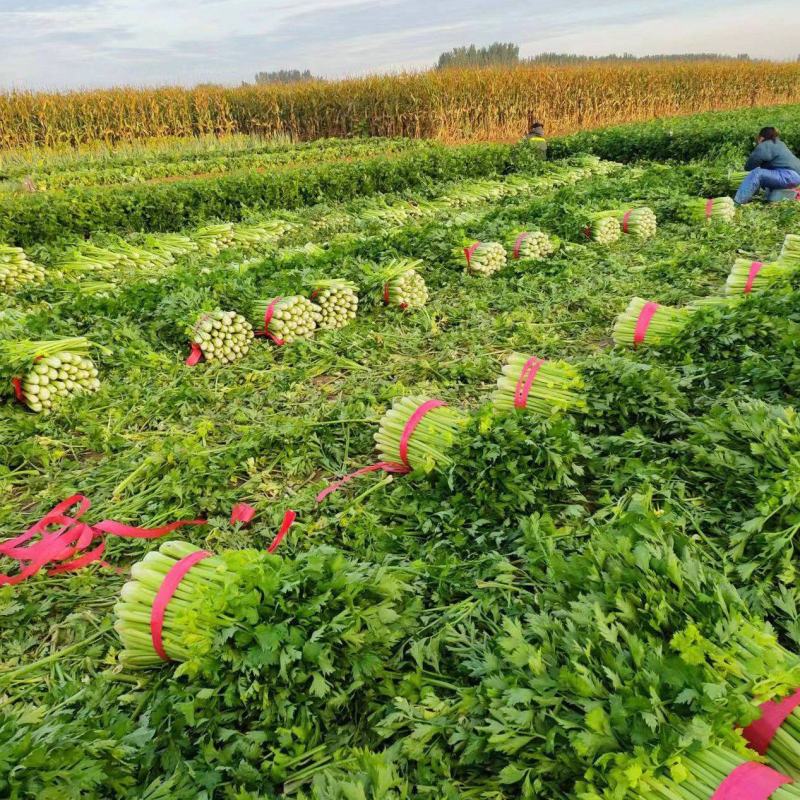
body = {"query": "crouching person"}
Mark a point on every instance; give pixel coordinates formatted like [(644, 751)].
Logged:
[(771, 166)]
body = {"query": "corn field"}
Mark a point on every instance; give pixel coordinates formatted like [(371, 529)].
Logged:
[(451, 105)]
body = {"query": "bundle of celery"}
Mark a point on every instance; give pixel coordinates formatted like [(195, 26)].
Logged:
[(188, 619), (736, 177), (286, 319), (640, 222), (645, 321), (207, 597), (403, 286), (89, 258), (418, 432), (700, 775), (790, 252), (213, 239), (170, 245), (543, 387), (222, 336), (748, 277), (604, 228), (534, 246), (248, 237), (337, 301), (485, 258), (139, 258), (715, 209), (16, 270), (51, 371)]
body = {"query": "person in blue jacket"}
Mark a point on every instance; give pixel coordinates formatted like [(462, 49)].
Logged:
[(771, 166)]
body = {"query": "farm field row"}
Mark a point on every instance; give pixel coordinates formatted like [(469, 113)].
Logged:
[(586, 596), (120, 168)]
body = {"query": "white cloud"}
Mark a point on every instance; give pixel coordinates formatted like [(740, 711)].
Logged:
[(73, 43)]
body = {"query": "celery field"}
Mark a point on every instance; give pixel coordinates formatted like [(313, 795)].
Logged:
[(376, 469)]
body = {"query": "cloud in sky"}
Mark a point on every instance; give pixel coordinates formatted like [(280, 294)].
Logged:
[(77, 43)]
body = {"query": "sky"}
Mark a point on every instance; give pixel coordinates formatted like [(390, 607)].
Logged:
[(72, 44)]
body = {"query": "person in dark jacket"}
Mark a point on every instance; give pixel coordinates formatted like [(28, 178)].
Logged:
[(771, 166), (535, 136)]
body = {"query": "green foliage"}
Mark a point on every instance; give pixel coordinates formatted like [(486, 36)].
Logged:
[(684, 138), (498, 53), (284, 76)]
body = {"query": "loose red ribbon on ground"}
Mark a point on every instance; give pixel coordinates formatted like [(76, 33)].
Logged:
[(242, 512), (194, 355), (385, 466), (643, 322), (626, 220), (165, 593), (18, 393), (288, 520), (470, 251), (709, 207), (526, 379), (518, 243), (411, 426), (71, 537), (760, 733), (750, 781), (755, 268), (267, 319)]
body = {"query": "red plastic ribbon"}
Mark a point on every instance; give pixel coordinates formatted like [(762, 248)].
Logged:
[(625, 220), (470, 251), (755, 268), (194, 356), (71, 537), (709, 207), (288, 520), (385, 466), (18, 393), (165, 593), (403, 306), (518, 243), (760, 733), (643, 322), (411, 426), (242, 512), (750, 781), (267, 319), (526, 379)]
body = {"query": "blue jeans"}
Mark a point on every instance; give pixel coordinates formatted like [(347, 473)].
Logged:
[(769, 179)]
